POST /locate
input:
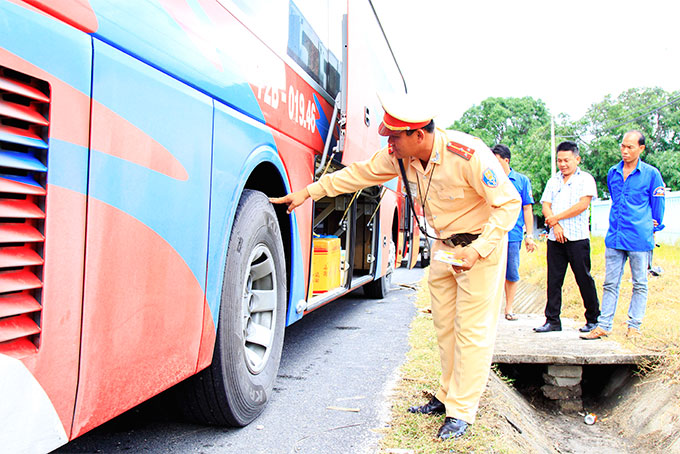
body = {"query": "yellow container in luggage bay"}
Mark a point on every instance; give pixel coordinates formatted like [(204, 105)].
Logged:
[(325, 264)]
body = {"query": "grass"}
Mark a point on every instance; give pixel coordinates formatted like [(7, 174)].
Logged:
[(409, 433), (419, 378), (660, 330)]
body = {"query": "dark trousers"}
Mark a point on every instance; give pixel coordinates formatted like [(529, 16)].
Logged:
[(577, 255)]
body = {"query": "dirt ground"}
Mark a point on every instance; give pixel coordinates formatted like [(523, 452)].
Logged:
[(572, 435), (649, 414), (642, 417)]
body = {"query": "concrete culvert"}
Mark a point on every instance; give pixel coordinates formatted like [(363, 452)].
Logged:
[(546, 408)]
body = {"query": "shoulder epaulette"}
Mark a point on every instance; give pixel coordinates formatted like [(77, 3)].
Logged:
[(461, 150)]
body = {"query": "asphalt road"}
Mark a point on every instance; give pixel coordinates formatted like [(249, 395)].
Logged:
[(345, 354)]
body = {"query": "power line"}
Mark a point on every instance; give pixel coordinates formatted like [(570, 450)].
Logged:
[(656, 109), (636, 113), (671, 102)]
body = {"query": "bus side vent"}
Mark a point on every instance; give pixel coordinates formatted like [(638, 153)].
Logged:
[(24, 123)]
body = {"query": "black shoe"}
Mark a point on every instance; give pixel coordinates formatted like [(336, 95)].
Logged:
[(548, 327), (452, 428), (588, 327), (433, 407)]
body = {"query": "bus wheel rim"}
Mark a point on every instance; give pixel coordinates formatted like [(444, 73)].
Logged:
[(259, 306)]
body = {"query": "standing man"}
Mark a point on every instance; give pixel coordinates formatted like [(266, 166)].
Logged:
[(565, 201), (471, 204), (515, 236), (638, 205)]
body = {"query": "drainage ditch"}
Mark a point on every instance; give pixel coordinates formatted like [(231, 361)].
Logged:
[(569, 388), (555, 400)]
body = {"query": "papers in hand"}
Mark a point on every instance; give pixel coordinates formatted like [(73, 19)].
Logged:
[(448, 257)]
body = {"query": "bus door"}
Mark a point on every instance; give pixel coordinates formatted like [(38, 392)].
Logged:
[(372, 69), (45, 72), (147, 235)]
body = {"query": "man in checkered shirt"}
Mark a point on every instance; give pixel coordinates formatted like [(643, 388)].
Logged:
[(565, 201)]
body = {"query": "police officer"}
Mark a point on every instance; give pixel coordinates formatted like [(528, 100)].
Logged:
[(472, 205)]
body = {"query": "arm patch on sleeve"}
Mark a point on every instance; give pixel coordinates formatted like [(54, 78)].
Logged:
[(489, 178), (659, 192), (461, 150)]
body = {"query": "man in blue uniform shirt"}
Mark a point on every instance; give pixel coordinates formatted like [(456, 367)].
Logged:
[(515, 236), (638, 203)]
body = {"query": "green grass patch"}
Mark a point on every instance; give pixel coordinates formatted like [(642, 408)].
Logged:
[(419, 379), (660, 329), (420, 374)]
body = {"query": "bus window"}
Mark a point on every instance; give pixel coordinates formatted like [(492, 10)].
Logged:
[(314, 34), (303, 43), (333, 75), (311, 52)]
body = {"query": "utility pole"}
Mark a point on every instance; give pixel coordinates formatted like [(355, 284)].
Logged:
[(553, 163)]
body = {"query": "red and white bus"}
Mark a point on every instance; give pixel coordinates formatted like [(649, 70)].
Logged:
[(139, 141)]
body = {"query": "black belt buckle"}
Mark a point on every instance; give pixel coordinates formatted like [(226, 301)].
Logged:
[(460, 239)]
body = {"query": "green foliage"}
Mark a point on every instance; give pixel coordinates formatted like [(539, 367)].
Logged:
[(504, 120), (523, 124), (597, 157), (653, 111), (668, 163)]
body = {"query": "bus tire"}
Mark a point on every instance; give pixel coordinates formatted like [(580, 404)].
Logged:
[(379, 288), (235, 388)]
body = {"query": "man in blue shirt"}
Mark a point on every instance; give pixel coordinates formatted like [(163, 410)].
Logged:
[(515, 236), (638, 204)]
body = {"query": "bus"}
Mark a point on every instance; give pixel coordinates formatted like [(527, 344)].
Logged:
[(139, 143)]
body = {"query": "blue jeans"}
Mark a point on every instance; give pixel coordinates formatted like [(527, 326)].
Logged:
[(512, 268), (615, 259)]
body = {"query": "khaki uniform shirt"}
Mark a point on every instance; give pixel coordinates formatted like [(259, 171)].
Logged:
[(468, 190)]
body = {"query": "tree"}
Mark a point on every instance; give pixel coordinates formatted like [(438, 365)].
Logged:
[(654, 112), (504, 120), (523, 124)]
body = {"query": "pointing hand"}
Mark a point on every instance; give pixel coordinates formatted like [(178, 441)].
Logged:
[(293, 200)]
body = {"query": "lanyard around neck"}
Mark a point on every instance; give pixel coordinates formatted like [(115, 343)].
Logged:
[(410, 201)]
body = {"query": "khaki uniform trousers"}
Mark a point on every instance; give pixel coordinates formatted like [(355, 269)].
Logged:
[(465, 308)]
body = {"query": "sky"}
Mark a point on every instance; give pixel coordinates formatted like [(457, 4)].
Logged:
[(570, 54)]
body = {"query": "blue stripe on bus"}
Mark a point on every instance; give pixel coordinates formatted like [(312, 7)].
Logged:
[(178, 118), (148, 40), (68, 166), (44, 42)]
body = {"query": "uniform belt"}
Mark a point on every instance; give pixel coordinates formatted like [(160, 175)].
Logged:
[(460, 239)]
